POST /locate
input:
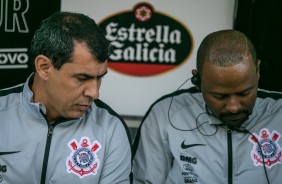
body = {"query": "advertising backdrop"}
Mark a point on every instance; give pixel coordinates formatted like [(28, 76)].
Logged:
[(18, 21), (154, 45)]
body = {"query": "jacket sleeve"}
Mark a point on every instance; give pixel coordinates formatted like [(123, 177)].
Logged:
[(152, 159), (117, 165)]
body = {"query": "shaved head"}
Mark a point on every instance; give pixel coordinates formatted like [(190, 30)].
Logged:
[(225, 48)]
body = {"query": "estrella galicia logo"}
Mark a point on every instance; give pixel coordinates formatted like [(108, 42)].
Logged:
[(146, 42)]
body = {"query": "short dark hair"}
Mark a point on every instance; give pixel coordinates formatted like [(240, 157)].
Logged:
[(225, 48), (57, 34)]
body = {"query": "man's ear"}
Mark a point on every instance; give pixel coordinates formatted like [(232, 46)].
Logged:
[(258, 68), (42, 66), (195, 79)]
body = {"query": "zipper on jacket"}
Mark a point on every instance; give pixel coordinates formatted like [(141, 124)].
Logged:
[(46, 153), (230, 155), (48, 145)]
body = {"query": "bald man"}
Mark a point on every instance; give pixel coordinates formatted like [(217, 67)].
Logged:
[(222, 130)]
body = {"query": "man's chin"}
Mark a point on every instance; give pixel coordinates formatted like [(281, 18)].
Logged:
[(76, 115), (234, 122)]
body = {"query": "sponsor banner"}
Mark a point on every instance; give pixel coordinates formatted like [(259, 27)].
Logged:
[(146, 42), (154, 45), (18, 21)]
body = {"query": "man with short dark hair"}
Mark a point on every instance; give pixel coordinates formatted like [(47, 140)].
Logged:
[(53, 128)]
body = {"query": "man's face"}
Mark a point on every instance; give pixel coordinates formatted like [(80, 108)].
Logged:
[(71, 89), (230, 92)]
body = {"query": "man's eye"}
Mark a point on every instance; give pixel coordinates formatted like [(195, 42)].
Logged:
[(244, 94), (219, 97), (81, 79)]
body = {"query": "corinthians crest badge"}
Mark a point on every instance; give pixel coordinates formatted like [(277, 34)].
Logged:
[(266, 150), (83, 159)]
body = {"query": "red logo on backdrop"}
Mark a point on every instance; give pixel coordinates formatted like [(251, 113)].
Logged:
[(143, 13), (146, 42)]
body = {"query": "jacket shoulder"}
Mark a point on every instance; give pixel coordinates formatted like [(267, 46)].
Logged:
[(10, 96)]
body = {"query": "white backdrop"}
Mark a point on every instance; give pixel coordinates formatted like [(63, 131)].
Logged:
[(131, 95)]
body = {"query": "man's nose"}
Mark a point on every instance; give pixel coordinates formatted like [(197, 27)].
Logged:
[(233, 104), (92, 89)]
